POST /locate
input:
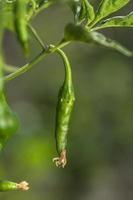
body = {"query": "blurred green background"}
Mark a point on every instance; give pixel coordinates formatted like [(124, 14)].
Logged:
[(100, 143)]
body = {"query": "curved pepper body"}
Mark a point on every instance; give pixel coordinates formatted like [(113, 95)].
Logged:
[(63, 114)]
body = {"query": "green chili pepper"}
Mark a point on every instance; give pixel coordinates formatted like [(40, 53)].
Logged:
[(8, 121), (63, 112), (11, 186), (8, 125), (21, 23)]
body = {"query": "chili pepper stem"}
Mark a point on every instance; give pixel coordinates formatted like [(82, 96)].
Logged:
[(24, 186), (61, 161)]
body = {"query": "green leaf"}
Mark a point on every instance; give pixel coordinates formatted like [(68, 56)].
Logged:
[(82, 10), (76, 7), (108, 7), (87, 11), (100, 39), (118, 21), (79, 33)]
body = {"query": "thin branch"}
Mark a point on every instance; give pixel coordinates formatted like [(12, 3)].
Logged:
[(25, 68), (10, 68), (36, 60), (36, 36), (66, 62)]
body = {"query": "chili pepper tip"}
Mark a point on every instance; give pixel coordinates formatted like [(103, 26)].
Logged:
[(23, 186), (61, 161)]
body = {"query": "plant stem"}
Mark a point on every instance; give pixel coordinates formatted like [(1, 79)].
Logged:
[(68, 75), (10, 68), (36, 36), (36, 60), (24, 68)]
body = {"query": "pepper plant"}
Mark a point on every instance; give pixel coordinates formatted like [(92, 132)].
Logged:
[(16, 16)]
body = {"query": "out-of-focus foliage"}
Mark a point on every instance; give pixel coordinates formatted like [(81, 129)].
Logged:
[(101, 133)]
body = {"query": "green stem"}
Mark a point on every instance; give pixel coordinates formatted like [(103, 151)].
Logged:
[(36, 60), (25, 68), (10, 68), (36, 36), (68, 75)]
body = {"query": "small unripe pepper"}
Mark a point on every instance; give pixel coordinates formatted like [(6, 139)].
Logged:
[(63, 113)]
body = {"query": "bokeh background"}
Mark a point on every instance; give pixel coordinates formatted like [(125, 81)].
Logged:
[(100, 143)]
